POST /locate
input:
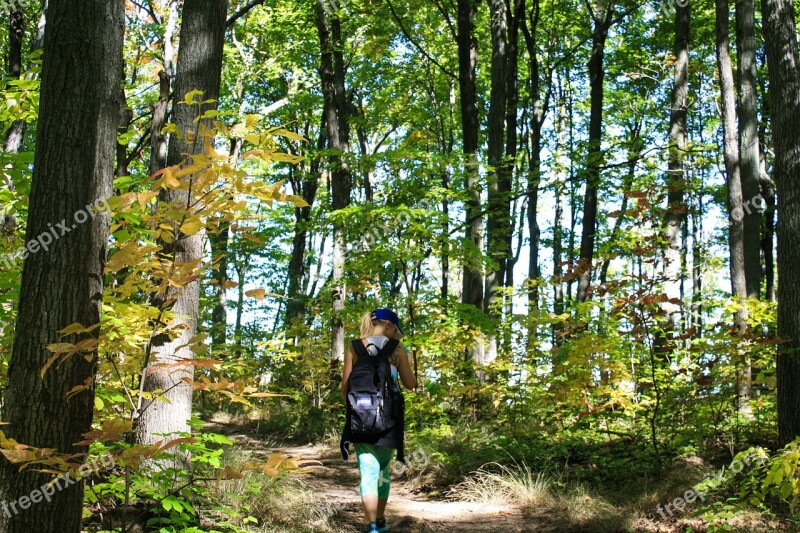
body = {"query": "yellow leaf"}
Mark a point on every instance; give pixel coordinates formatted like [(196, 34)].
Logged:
[(48, 364), (19, 456), (191, 226), (190, 97), (256, 293), (298, 201), (289, 135), (252, 238), (251, 121), (229, 473), (78, 328)]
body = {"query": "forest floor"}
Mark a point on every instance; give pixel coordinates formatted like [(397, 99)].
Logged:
[(334, 484)]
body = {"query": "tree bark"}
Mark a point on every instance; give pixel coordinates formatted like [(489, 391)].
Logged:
[(498, 224), (472, 290), (158, 140), (306, 186), (601, 16), (780, 39), (73, 169), (199, 67), (675, 217), (748, 142), (219, 273), (16, 133), (734, 182), (336, 116)]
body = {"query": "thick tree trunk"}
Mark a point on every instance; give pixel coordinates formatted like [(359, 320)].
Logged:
[(675, 217), (498, 225), (336, 116), (780, 38), (734, 182), (748, 142), (199, 68), (472, 290), (472, 279), (602, 21), (62, 285)]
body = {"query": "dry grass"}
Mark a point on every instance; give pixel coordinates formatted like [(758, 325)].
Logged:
[(498, 484), (280, 504)]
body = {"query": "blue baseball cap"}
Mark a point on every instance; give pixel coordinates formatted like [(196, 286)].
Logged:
[(386, 314)]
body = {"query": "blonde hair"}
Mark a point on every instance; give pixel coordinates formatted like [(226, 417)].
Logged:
[(368, 325)]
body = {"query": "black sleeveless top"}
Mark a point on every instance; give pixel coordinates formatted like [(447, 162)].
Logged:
[(393, 438)]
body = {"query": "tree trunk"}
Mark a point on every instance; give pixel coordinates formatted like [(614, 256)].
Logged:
[(602, 21), (734, 182), (158, 140), (219, 273), (780, 38), (675, 217), (73, 171), (337, 122), (498, 225), (559, 188), (472, 290), (535, 160), (748, 142), (305, 186), (202, 36), (16, 133), (472, 279)]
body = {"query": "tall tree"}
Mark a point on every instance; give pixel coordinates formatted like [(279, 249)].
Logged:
[(63, 285), (749, 155), (498, 225), (199, 67), (675, 216), (734, 183), (336, 116), (472, 290), (601, 14), (780, 39)]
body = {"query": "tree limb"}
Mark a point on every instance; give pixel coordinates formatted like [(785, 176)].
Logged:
[(416, 45), (242, 12)]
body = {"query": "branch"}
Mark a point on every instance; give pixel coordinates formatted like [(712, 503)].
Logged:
[(447, 19), (242, 12), (416, 45)]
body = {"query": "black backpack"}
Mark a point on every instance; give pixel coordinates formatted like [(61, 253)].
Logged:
[(370, 401)]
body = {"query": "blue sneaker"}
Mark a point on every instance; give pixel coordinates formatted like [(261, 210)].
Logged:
[(372, 527), (383, 527)]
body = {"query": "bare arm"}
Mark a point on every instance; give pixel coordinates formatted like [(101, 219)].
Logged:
[(404, 368)]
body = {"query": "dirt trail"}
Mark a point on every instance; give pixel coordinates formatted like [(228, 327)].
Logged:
[(407, 511)]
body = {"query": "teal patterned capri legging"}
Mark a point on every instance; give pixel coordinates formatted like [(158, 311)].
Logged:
[(373, 462)]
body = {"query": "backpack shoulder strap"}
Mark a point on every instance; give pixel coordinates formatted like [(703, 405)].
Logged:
[(389, 348), (359, 349)]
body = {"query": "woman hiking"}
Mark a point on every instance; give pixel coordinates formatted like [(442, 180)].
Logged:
[(375, 408)]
